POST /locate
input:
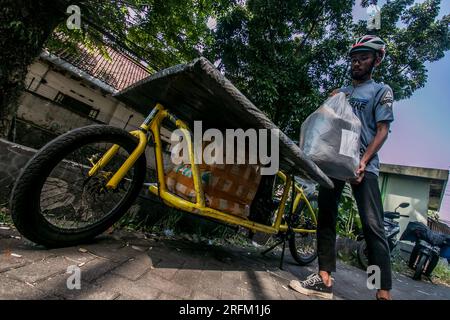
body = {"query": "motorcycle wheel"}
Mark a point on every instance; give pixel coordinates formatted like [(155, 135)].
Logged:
[(418, 271)]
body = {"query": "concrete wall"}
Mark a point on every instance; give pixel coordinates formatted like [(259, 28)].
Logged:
[(121, 115), (49, 115), (412, 190), (146, 208), (41, 118), (429, 173), (13, 158), (58, 81)]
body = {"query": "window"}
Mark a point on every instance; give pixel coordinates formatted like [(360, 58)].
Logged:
[(435, 194), (76, 106), (94, 113)]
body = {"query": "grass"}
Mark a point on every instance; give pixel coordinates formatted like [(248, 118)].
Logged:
[(348, 258), (171, 224), (4, 216), (440, 275)]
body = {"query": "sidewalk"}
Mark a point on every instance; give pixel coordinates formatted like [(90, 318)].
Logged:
[(126, 265)]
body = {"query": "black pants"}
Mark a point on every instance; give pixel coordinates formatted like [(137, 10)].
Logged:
[(368, 198)]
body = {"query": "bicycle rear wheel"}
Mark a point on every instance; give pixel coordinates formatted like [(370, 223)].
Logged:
[(55, 203), (362, 253), (303, 246)]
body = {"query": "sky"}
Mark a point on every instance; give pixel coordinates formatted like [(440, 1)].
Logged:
[(420, 133)]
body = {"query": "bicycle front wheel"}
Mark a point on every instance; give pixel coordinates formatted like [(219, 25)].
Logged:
[(303, 246), (56, 203)]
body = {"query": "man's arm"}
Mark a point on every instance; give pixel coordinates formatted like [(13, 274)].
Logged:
[(373, 148)]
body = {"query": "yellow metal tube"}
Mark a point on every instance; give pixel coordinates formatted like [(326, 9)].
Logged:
[(280, 211), (188, 206), (199, 207), (297, 230), (126, 166), (155, 128), (310, 210), (103, 160), (196, 175), (296, 202)]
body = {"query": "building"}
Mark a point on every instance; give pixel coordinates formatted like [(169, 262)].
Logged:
[(66, 91), (422, 188)]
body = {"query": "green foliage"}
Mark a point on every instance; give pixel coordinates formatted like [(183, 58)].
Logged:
[(441, 274), (270, 50), (433, 214), (348, 222), (24, 27), (162, 33), (5, 217), (414, 36), (286, 56)]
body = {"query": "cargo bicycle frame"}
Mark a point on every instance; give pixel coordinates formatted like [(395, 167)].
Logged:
[(152, 125)]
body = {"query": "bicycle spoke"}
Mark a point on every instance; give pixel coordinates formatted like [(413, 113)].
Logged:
[(80, 204)]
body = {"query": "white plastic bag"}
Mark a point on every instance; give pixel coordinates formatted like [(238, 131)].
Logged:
[(330, 137)]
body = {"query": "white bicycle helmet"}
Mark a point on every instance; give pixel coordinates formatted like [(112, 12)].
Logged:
[(369, 43)]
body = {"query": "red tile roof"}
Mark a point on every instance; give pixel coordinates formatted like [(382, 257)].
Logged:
[(119, 70)]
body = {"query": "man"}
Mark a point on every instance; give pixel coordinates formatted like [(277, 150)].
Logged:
[(372, 103)]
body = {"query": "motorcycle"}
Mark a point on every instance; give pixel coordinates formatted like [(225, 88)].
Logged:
[(429, 245), (391, 229)]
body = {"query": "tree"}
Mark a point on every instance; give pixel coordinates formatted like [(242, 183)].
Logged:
[(284, 55), (26, 25), (288, 55), (160, 32)]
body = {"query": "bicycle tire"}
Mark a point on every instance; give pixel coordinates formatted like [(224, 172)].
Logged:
[(25, 197), (362, 254), (293, 247)]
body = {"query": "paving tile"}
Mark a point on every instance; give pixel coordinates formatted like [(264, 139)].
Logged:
[(58, 286), (38, 271), (136, 289), (12, 289), (134, 268)]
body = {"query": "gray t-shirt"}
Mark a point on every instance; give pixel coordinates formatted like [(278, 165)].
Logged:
[(372, 103)]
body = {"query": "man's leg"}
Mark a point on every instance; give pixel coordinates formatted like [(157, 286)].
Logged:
[(326, 226), (370, 207), (320, 284)]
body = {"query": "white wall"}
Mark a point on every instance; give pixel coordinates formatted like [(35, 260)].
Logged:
[(48, 115), (412, 190), (80, 90), (51, 116), (121, 115)]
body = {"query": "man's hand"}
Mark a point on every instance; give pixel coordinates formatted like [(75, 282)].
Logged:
[(335, 91), (374, 146), (359, 173)]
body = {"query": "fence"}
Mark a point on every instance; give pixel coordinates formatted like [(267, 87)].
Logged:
[(438, 226)]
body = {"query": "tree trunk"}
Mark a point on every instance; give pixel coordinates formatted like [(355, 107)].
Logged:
[(25, 27)]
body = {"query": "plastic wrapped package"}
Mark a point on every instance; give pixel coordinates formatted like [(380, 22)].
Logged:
[(331, 136), (228, 188)]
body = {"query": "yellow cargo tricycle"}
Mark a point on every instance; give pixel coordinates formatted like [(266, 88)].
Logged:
[(82, 182)]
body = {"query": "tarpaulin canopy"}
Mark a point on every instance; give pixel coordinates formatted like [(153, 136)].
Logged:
[(198, 91)]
